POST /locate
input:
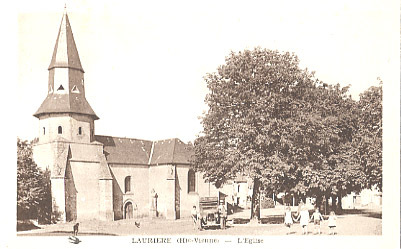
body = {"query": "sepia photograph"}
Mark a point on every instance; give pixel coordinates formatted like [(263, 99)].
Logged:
[(207, 123)]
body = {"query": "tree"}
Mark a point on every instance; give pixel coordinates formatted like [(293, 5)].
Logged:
[(254, 102), (368, 143), (33, 186), (329, 127)]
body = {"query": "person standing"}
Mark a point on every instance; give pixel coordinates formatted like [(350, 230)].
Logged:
[(223, 215), (304, 219), (332, 223), (317, 217), (194, 215), (288, 219)]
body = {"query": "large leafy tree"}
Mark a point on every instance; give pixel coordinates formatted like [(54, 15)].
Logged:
[(368, 142), (254, 104), (33, 186), (275, 123), (329, 123)]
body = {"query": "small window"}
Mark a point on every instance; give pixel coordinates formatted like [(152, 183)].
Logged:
[(75, 89), (127, 184), (191, 181), (60, 88), (80, 131), (44, 131), (60, 130)]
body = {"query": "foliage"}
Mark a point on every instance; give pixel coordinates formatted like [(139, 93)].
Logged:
[(275, 123), (368, 143), (33, 186), (252, 102)]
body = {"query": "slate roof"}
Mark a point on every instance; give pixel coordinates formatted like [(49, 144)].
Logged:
[(65, 103), (65, 52), (125, 150), (145, 152), (171, 151), (65, 55)]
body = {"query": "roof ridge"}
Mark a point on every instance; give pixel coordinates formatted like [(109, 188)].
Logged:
[(167, 139), (151, 153), (138, 139), (172, 156)]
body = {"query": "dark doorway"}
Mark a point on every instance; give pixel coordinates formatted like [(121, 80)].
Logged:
[(128, 213)]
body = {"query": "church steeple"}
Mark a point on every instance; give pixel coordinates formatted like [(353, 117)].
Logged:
[(65, 52), (66, 91)]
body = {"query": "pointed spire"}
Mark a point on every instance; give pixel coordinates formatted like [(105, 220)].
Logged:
[(66, 92), (65, 54)]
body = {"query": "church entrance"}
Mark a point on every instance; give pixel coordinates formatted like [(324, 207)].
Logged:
[(128, 211)]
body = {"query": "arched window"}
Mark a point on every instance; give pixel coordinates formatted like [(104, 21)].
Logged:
[(60, 130), (127, 184), (191, 181), (80, 131), (44, 131)]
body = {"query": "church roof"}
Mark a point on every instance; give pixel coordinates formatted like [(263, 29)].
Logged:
[(65, 52), (61, 103), (171, 151), (125, 150), (144, 152)]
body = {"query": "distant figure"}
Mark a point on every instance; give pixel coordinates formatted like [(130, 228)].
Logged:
[(304, 216), (194, 215), (223, 215), (317, 217), (75, 227), (73, 239), (288, 219), (138, 224), (332, 223), (300, 205)]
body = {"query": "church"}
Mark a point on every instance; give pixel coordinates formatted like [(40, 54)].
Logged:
[(105, 177)]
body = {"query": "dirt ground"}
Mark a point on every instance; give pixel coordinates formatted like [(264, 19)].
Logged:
[(348, 224)]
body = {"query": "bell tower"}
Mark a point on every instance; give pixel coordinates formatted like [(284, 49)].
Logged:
[(65, 113), (81, 183)]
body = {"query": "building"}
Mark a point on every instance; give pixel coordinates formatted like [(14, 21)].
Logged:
[(105, 177)]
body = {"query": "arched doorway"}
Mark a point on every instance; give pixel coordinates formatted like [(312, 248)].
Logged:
[(128, 210)]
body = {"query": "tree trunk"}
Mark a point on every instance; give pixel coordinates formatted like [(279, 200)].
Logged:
[(255, 204), (339, 207), (326, 207), (333, 203), (319, 202)]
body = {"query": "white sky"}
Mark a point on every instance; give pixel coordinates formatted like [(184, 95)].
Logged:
[(144, 62)]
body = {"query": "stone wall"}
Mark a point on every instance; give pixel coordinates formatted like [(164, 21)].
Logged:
[(139, 194)]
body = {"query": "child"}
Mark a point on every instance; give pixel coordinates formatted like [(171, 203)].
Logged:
[(304, 216), (288, 219), (332, 223), (317, 217)]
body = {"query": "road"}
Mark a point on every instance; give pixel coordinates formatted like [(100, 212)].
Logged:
[(350, 224)]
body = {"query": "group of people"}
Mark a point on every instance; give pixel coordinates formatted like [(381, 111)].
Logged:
[(303, 217)]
